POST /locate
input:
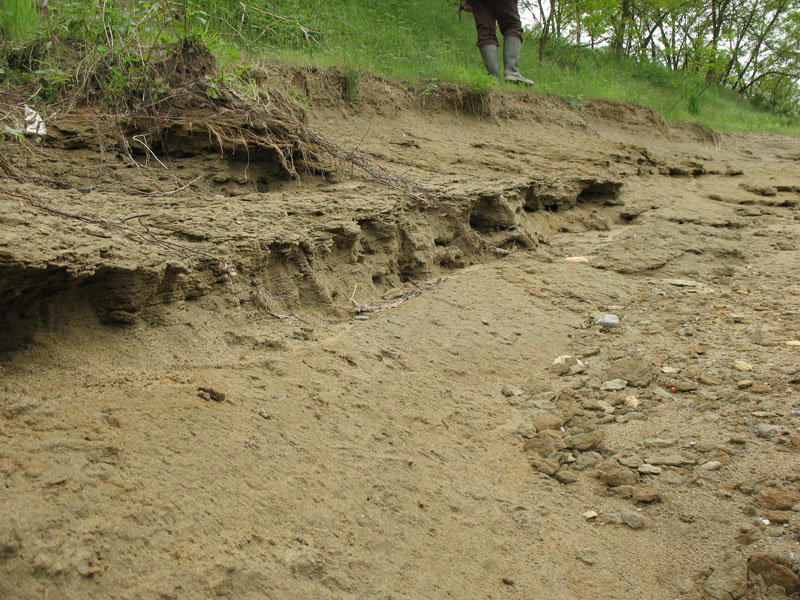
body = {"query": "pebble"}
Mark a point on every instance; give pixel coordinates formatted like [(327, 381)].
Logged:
[(568, 365), (646, 494), (740, 365), (767, 431), (793, 343), (760, 388), (670, 370), (587, 460), (671, 478), (566, 476), (608, 320), (630, 460), (670, 460), (631, 518), (662, 393), (744, 383), (361, 318), (577, 259), (648, 469), (614, 474), (775, 499), (614, 385), (590, 514), (545, 420), (712, 465), (660, 442), (632, 402), (633, 369)]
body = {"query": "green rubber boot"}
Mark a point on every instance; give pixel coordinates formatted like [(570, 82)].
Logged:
[(491, 60), (511, 49)]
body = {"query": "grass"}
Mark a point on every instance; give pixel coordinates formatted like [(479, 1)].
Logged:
[(421, 41)]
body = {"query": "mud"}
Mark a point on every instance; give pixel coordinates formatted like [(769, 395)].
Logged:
[(252, 386)]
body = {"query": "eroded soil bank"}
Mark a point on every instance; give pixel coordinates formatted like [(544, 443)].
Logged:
[(325, 388)]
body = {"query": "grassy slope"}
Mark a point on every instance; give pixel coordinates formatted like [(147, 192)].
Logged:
[(418, 40), (423, 41)]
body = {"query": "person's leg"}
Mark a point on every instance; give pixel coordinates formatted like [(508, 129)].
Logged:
[(486, 25), (507, 16)]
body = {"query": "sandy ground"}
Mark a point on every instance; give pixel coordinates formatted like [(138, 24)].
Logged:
[(323, 389)]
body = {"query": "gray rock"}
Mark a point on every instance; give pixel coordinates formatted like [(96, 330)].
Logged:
[(634, 369), (671, 478), (614, 385), (587, 460), (670, 460), (729, 580), (9, 540), (767, 431), (614, 474), (631, 518), (647, 469), (566, 476), (608, 320), (660, 442)]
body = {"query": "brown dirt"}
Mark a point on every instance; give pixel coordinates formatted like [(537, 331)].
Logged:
[(191, 405)]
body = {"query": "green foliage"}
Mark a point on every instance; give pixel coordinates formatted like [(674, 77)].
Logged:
[(18, 18), (121, 52)]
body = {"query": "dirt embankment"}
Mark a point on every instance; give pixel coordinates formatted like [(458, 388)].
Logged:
[(222, 382)]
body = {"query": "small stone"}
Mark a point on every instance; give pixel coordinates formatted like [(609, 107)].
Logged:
[(670, 370), (685, 385), (614, 385), (632, 402), (670, 460), (544, 465), (545, 444), (608, 320), (740, 365), (614, 474), (729, 580), (648, 469), (545, 420), (660, 442), (712, 465), (623, 491), (510, 392), (207, 393), (760, 388), (566, 476), (646, 494), (577, 259), (744, 383), (590, 514), (767, 431), (361, 318), (9, 540), (671, 478), (631, 518), (584, 441), (708, 379), (587, 460), (568, 365), (662, 393), (633, 369), (793, 343), (776, 499), (630, 460), (774, 573)]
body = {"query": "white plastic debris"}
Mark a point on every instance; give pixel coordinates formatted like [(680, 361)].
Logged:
[(35, 126)]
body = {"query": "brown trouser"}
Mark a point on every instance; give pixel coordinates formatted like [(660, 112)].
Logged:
[(489, 14)]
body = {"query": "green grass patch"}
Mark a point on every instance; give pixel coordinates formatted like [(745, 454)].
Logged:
[(421, 41)]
